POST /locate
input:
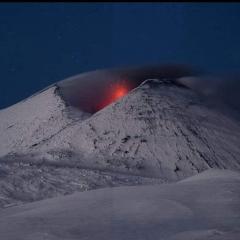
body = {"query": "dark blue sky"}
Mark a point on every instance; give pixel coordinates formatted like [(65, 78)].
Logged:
[(43, 43)]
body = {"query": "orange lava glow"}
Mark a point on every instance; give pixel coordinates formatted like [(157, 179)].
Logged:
[(113, 93), (119, 91)]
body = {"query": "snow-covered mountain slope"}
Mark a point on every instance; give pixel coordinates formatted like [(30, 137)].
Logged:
[(160, 131), (203, 207), (156, 128), (34, 120)]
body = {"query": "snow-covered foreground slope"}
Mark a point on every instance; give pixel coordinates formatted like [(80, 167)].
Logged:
[(22, 182), (202, 207)]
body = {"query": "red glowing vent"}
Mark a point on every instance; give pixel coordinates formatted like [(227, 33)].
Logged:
[(114, 92)]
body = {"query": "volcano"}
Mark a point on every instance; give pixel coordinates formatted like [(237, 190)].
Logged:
[(113, 128)]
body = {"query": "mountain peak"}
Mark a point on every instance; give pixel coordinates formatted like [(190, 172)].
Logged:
[(159, 130)]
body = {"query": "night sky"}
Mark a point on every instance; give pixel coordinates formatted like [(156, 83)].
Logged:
[(41, 43)]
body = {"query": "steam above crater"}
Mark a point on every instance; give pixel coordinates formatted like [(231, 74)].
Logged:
[(94, 90)]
